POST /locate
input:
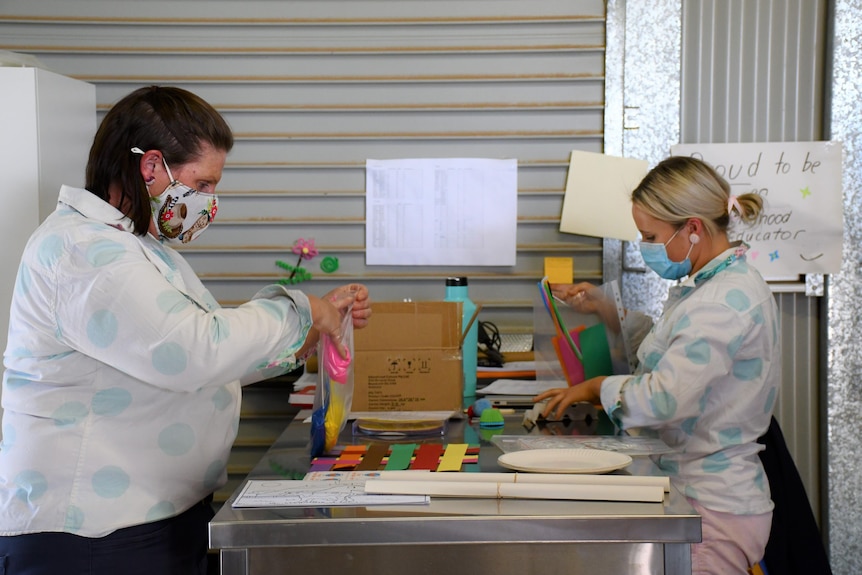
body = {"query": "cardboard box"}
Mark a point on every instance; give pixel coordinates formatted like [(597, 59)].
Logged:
[(408, 358)]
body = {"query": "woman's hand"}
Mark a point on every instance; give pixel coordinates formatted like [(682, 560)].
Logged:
[(356, 294), (328, 312), (562, 397), (326, 316), (586, 298)]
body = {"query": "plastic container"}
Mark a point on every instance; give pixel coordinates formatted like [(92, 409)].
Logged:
[(456, 290)]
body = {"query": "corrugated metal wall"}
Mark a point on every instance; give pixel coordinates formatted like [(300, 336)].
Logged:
[(754, 71), (844, 314), (314, 88)]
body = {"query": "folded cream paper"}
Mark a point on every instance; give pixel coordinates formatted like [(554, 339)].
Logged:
[(597, 201)]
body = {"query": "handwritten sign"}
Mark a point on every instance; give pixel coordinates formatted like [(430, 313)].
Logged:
[(801, 226)]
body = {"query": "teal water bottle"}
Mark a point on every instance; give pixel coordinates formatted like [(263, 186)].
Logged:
[(456, 290)]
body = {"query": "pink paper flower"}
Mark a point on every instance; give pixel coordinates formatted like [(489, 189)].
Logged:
[(304, 249)]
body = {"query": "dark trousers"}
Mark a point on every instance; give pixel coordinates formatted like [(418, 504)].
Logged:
[(795, 546), (175, 546)]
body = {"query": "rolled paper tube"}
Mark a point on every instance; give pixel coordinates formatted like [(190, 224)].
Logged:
[(558, 478), (640, 493)]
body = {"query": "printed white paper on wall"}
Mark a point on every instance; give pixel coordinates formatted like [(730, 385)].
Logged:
[(441, 211)]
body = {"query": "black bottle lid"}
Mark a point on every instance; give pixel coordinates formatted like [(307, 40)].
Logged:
[(459, 281)]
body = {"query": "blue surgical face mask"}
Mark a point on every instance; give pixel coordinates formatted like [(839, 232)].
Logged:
[(655, 256)]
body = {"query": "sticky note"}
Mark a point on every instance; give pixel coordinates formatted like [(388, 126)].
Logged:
[(559, 270)]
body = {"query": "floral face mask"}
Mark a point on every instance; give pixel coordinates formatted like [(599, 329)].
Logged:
[(181, 213)]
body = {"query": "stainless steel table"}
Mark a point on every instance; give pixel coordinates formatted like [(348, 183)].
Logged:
[(452, 536)]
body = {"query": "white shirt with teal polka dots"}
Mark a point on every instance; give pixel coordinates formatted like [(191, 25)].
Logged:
[(122, 383), (707, 380)]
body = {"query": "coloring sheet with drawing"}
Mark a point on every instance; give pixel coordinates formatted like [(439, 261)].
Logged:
[(329, 490)]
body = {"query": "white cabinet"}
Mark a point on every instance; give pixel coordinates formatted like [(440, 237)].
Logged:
[(47, 124)]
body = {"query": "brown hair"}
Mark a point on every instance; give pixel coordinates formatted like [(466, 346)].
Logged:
[(681, 187), (164, 118)]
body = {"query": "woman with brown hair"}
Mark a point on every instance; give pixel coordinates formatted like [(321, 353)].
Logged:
[(123, 374)]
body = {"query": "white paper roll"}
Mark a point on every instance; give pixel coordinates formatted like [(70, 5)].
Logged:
[(643, 493), (522, 478)]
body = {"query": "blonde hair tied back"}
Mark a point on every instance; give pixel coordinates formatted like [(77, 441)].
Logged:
[(681, 187), (748, 207)]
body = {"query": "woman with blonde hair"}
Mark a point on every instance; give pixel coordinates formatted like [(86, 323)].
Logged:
[(708, 370)]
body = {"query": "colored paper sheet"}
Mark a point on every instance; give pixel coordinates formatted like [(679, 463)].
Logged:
[(427, 456), (597, 354), (400, 456), (350, 457), (373, 457), (572, 367), (453, 457)]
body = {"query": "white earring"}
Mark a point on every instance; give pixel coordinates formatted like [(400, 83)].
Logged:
[(694, 238)]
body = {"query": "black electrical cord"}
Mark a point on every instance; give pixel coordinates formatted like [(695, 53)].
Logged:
[(490, 342)]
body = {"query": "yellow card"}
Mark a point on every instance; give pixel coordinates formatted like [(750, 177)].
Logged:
[(453, 457), (559, 270)]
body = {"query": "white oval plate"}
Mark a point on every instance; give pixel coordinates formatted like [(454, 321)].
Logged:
[(564, 460)]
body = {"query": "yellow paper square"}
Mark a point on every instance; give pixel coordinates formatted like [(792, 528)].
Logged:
[(559, 270)]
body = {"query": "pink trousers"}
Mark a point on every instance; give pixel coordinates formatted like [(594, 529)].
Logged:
[(731, 543)]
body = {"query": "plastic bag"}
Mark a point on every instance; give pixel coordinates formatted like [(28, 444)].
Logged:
[(571, 347), (334, 394)]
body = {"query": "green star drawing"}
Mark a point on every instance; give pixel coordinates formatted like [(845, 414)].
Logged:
[(805, 192)]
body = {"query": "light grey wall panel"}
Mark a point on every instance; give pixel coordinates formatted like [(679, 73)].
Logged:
[(311, 96), (754, 71)]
